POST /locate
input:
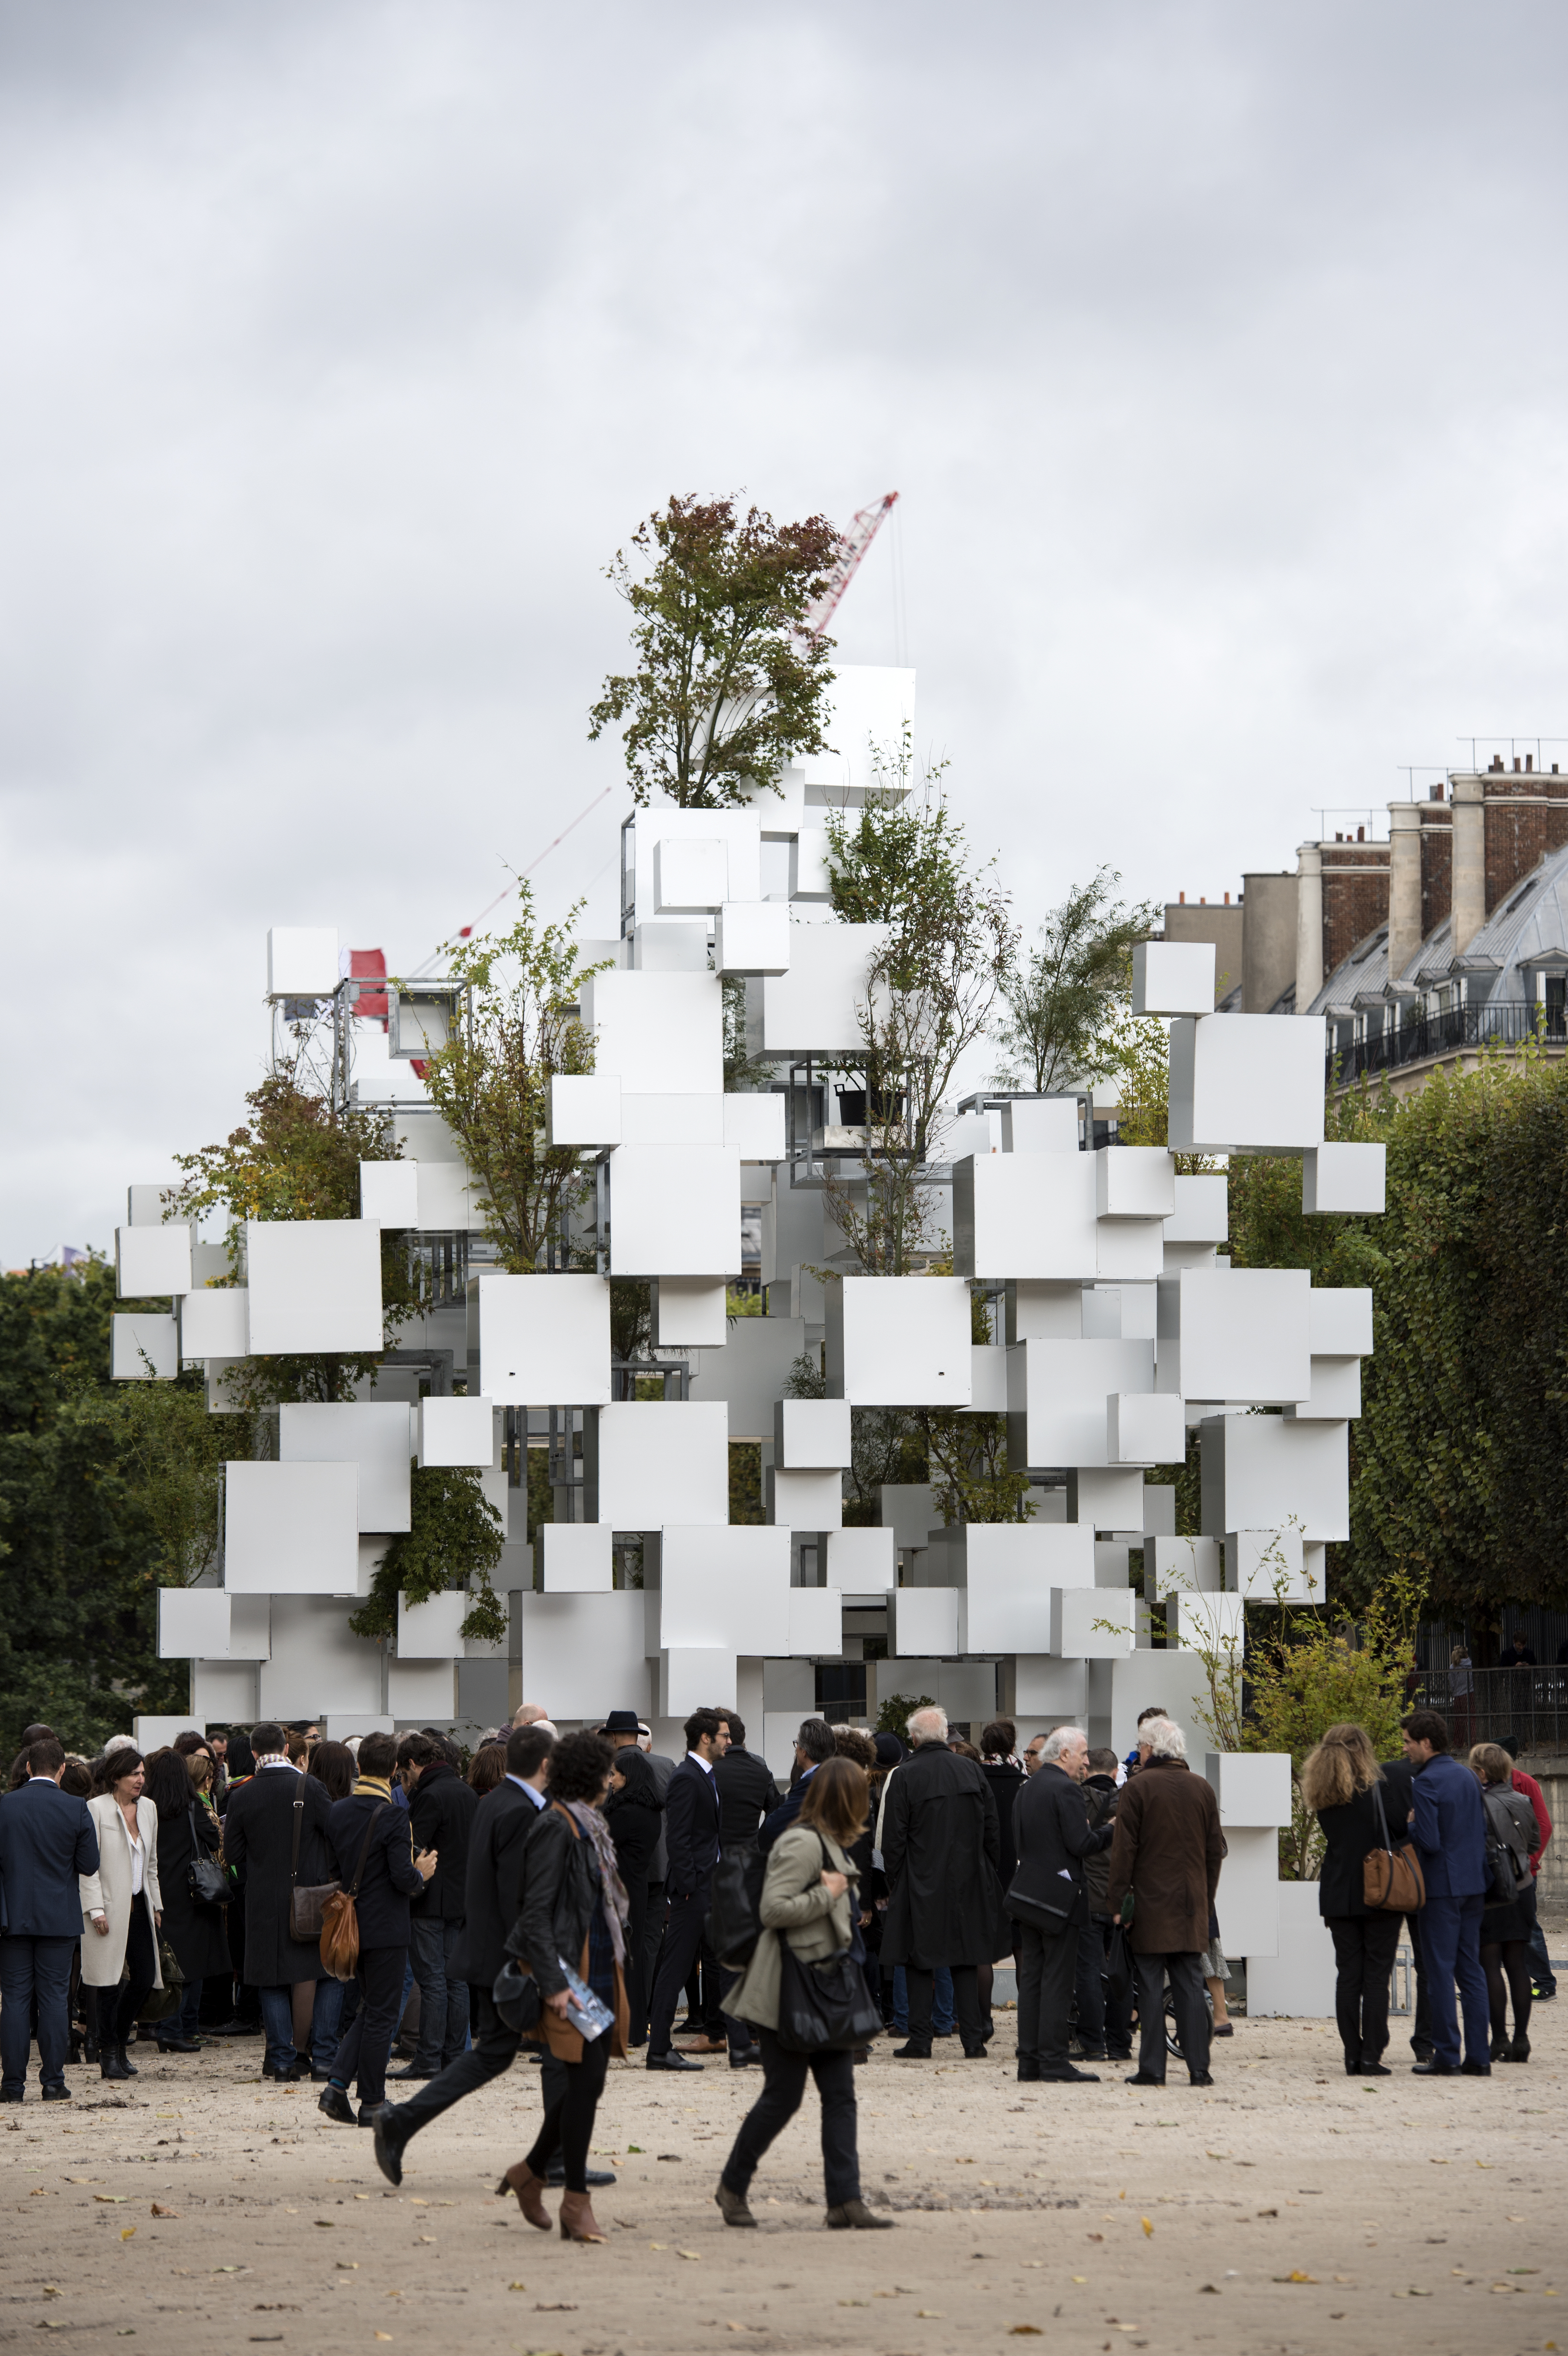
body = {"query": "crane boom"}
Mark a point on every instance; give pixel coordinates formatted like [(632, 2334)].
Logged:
[(852, 548)]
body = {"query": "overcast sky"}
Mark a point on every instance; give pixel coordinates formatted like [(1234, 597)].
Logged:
[(1217, 353)]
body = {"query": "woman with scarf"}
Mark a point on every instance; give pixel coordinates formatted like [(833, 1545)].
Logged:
[(574, 1911)]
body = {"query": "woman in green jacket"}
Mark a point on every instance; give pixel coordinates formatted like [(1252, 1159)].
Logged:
[(807, 1897)]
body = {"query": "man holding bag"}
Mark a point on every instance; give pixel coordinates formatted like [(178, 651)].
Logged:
[(371, 1841), (275, 1836)]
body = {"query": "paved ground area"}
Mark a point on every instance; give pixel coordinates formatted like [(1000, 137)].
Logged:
[(1288, 2209)]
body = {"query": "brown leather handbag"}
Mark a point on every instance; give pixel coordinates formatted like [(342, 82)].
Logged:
[(340, 1915), (306, 1906), (1391, 1879)]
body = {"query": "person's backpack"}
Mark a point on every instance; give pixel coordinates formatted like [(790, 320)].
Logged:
[(734, 1906), (1507, 1860)]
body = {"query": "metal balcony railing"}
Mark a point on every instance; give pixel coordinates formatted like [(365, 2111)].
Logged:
[(1508, 1022)]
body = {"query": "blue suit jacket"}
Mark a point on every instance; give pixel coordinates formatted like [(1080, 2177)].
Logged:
[(46, 1838), (783, 1816), (1449, 1820), (691, 1815)]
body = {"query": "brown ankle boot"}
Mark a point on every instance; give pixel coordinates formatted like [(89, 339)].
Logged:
[(578, 2223), (521, 2179)]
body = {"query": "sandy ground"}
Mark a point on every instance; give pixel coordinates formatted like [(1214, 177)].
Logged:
[(1288, 2209)]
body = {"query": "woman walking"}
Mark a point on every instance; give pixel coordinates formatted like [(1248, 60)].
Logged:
[(575, 1910), (197, 1932), (633, 1812), (810, 1898), (1507, 1924), (121, 1907), (1358, 1813)]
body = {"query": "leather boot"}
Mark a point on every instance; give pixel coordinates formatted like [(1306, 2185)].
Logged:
[(578, 2223), (855, 2215), (109, 2062), (733, 2207), (529, 2189), (126, 2064)]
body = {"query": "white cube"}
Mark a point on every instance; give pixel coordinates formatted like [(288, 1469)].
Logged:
[(1045, 1687), (691, 1313), (816, 1623), (1245, 1334), (446, 1199), (1159, 1509), (1248, 1902), (291, 1530), (584, 1109), (1012, 1569), (812, 1435), (389, 1193), (675, 1211), (583, 1654), (578, 1558), (1134, 1182), (816, 1007), (1264, 1566), (1345, 1178), (1041, 1125), (301, 961), (1336, 1393), (1108, 1497), (1246, 1082), (806, 1501), (752, 936), (811, 865), (151, 1260), (433, 1631), (1252, 1787), (193, 1619), (148, 1206), (691, 876), (694, 1677), (754, 1126), (143, 1349), (738, 831), (1048, 1311), (652, 1462), (314, 1285), (987, 1378), (924, 1621), (906, 1508), (423, 1693), (671, 1120), (727, 1586), (457, 1432), (1340, 1321), (216, 1323), (376, 1436), (1187, 1566), (668, 944), (1202, 1213), (658, 1031), (899, 1341), (1207, 1623), (1093, 1624), (250, 1628), (1025, 1215), (861, 1562), (1130, 1250), (539, 1340), (319, 1665), (1059, 1389), (1144, 1428), (1273, 1472), (1173, 977)]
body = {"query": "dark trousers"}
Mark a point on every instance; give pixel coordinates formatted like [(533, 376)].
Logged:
[(367, 2041), (1191, 2012), (682, 1947), (571, 2099), (443, 2000), (141, 1964), (1089, 1989), (1451, 1947), (636, 1969), (1421, 2027), (1363, 1952), (922, 1987), (1118, 2007), (1048, 1963), (653, 1940), (34, 1971), (784, 2083)]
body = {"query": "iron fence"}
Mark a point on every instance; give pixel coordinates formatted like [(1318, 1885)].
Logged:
[(1508, 1022), (1484, 1704)]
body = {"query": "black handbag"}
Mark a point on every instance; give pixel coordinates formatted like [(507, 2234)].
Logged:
[(516, 1996), (824, 2007), (204, 1877)]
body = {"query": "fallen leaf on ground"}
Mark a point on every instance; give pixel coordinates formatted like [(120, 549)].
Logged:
[(346, 2265), (159, 2211), (516, 2285), (1146, 2226), (107, 2199), (932, 2314), (1212, 2288), (327, 2222), (1296, 2274), (1024, 2330), (555, 2306), (688, 2254), (127, 2232)]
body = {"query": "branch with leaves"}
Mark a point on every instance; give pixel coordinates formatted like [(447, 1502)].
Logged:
[(454, 1538), (1065, 1005)]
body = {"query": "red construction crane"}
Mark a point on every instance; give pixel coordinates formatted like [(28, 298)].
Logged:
[(852, 547)]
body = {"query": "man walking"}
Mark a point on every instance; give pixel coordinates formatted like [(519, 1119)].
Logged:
[(691, 1832), (940, 1848), (46, 1839), (274, 1835), (1049, 1902), (1166, 1859), (441, 1814), (1448, 1821)]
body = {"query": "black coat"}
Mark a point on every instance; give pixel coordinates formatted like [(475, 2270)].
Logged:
[(1051, 1824), (560, 1891), (503, 1823), (258, 1837), (440, 1815), (1099, 1795), (1350, 1832), (636, 1818), (746, 1792), (198, 1934), (390, 1877), (940, 1849), (691, 1828), (1006, 1782)]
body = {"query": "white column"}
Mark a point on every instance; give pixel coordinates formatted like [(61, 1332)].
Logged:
[(1404, 885), (1469, 860), (1309, 924)]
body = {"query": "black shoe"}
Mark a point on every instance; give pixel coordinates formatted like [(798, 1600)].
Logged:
[(1143, 2078), (690, 2028), (335, 2105), (178, 2045), (1375, 2070), (110, 2064), (1475, 2069), (749, 2057), (1095, 2053), (54, 2094), (1028, 2070), (289, 2077), (413, 2071), (367, 2111), (1064, 2074), (671, 2060), (318, 2077), (1433, 2069), (1423, 2052), (1520, 2050), (1199, 2078), (388, 2144), (90, 2050), (7, 2097), (913, 2051), (596, 2178), (1545, 1994), (975, 2053), (1113, 2055)]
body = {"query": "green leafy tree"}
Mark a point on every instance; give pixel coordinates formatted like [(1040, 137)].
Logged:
[(729, 684), (895, 1713), (454, 1539), (1066, 1003)]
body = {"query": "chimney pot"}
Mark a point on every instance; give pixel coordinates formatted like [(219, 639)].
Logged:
[(1529, 760), (1516, 764), (1496, 760), (1227, 899), (1202, 899), (1181, 899), (1361, 834), (1435, 793)]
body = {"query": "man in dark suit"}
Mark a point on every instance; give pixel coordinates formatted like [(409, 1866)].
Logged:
[(1399, 1781), (492, 1901), (813, 1744), (746, 1792), (375, 1859), (1050, 1824), (940, 1849), (46, 1840), (275, 1834), (441, 1816), (691, 1829), (1448, 1821)]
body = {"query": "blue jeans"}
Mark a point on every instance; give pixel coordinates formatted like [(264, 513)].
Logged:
[(278, 2022), (943, 2018), (443, 2000), (1544, 1977), (1451, 1947)]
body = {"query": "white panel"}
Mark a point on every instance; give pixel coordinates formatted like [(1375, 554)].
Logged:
[(219, 1390), (754, 1126), (539, 1340), (447, 1198), (670, 944), (432, 1630), (1246, 1082), (457, 1432), (422, 1693), (815, 1621), (215, 1323), (1044, 1687), (1300, 1981), (1130, 1249), (583, 1656), (1134, 1182), (815, 1007), (988, 1378), (1041, 1311), (691, 876), (301, 961), (150, 1260), (291, 1530), (1247, 1905), (1173, 977), (691, 1313), (747, 1373), (318, 1665), (726, 1586), (906, 1508), (1252, 1787), (1064, 1386), (1172, 1565), (812, 1435), (924, 1619), (1336, 1393), (1013, 1567), (1202, 1211), (869, 709), (1025, 1215), (697, 1677), (861, 1562), (145, 1208), (578, 1558), (1206, 1623), (377, 1438), (1273, 1472), (135, 1340), (661, 1461), (671, 1120), (1345, 1178), (315, 1284), (389, 1193), (675, 1211), (1106, 1498), (739, 830), (752, 936), (584, 1109), (192, 1620), (658, 1030), (1267, 1566), (367, 1560), (899, 1341), (811, 865), (1245, 1334), (804, 1501), (1040, 1125), (1144, 1428), (1097, 1624), (250, 1628), (1176, 1683), (1159, 1509), (222, 1693), (1341, 1321)]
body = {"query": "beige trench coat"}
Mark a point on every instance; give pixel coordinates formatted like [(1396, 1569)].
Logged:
[(103, 1959)]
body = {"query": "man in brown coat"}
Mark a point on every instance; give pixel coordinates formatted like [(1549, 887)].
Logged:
[(1166, 1857)]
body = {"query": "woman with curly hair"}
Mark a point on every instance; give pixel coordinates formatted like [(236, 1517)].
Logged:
[(1342, 1782)]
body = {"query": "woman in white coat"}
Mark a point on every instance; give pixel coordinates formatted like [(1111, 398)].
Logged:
[(122, 1908)]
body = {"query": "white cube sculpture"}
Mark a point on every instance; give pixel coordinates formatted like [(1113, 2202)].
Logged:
[(671, 1120), (422, 1693), (432, 1630), (314, 1285), (1298, 1981), (1173, 977), (577, 1558), (301, 961), (1061, 1389), (1344, 1177), (691, 1313), (215, 1322), (658, 1032), (691, 876), (752, 937), (1252, 1787), (1274, 1471), (861, 1562), (754, 1126), (658, 1461), (584, 1109), (291, 1530), (897, 1341), (1246, 1083), (456, 1432), (539, 1340), (1336, 1393), (1207, 1623), (811, 1435), (377, 1437), (818, 1006), (1093, 1624), (1025, 1217), (740, 832), (1340, 1321), (1129, 1250), (806, 1501), (816, 1623), (727, 1586), (1040, 1125), (1247, 1906), (1013, 1570), (586, 1653), (1244, 1334), (1190, 1566), (318, 1664), (144, 1348), (1144, 1428), (193, 1619), (675, 1211), (389, 1193), (151, 1260), (1202, 1214), (694, 1677), (923, 1620), (1134, 1182)]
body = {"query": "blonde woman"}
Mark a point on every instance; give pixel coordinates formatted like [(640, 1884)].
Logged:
[(1341, 1781), (122, 1906)]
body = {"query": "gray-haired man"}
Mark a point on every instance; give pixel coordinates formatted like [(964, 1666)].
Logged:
[(1049, 1903)]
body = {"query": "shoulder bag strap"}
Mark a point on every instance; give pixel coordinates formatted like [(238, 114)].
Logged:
[(376, 1816), (1383, 1820), (294, 1856)]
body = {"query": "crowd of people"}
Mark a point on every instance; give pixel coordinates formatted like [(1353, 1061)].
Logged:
[(576, 1897)]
